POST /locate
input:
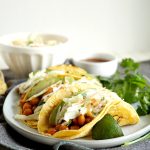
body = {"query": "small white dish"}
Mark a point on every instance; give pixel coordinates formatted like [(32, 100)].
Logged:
[(131, 132), (24, 52), (102, 64)]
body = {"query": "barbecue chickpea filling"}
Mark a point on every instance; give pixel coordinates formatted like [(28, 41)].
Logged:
[(75, 124), (28, 107), (73, 113)]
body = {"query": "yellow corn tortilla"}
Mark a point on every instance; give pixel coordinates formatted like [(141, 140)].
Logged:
[(31, 123), (127, 114), (114, 104), (71, 70)]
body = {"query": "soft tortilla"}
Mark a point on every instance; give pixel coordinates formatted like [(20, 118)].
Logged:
[(123, 110), (71, 70)]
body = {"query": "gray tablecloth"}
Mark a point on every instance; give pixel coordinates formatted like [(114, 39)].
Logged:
[(10, 139)]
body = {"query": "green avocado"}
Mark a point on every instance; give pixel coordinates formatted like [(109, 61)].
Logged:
[(41, 85), (52, 118), (106, 128)]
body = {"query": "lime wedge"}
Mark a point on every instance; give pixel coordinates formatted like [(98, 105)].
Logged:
[(106, 128)]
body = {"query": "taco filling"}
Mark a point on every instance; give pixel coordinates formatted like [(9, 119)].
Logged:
[(31, 104), (42, 84)]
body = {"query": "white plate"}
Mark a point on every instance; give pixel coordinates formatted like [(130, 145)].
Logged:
[(130, 132)]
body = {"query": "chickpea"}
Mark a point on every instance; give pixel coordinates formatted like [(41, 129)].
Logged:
[(63, 127), (51, 131), (26, 106), (27, 111), (34, 101), (75, 121), (81, 120), (57, 127), (75, 127), (88, 119)]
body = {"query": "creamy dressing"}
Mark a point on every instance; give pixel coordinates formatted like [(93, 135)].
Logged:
[(78, 104), (92, 100), (72, 112)]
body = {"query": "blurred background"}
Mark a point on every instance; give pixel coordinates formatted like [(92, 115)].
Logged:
[(121, 27)]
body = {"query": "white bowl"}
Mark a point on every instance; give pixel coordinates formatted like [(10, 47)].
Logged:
[(24, 59), (104, 68)]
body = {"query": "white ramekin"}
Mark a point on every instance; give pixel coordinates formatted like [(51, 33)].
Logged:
[(105, 69)]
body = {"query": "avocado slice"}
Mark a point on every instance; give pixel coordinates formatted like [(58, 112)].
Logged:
[(106, 128), (41, 85), (52, 118)]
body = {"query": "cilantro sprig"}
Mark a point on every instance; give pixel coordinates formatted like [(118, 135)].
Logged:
[(130, 85)]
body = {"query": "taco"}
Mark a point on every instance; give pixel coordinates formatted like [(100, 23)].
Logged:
[(42, 84), (71, 112)]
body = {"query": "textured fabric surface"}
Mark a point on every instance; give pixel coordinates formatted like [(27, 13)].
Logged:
[(10, 139)]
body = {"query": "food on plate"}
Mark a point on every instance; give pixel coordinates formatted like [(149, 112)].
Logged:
[(72, 112), (106, 128), (35, 41), (66, 102), (42, 84), (3, 86)]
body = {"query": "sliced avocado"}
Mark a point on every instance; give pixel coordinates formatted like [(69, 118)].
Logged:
[(106, 128), (41, 85), (52, 118)]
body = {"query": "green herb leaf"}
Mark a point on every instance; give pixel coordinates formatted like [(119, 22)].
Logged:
[(129, 64), (130, 85)]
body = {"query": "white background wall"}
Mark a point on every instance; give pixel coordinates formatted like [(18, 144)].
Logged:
[(119, 26)]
